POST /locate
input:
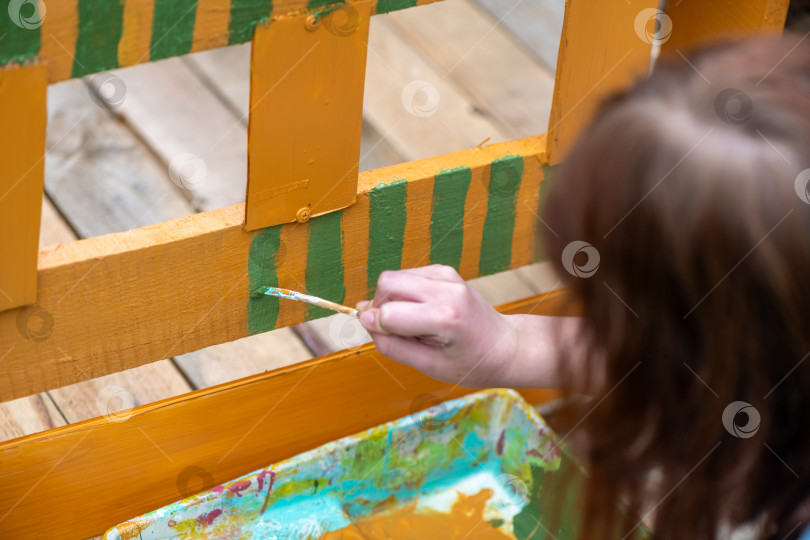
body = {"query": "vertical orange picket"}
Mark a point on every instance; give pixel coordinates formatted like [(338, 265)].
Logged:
[(604, 46), (306, 103), (23, 93)]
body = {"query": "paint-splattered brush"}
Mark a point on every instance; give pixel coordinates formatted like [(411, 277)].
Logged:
[(309, 299)]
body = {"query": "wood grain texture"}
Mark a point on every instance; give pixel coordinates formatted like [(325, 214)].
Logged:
[(193, 271), (501, 79), (163, 104), (410, 103), (148, 459), (23, 94), (694, 23), (126, 189), (536, 24), (306, 111), (601, 51), (111, 37)]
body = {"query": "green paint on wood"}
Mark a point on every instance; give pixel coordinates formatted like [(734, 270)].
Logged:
[(447, 217), (386, 229), (496, 243), (100, 27), (324, 271), (20, 31), (245, 15), (263, 309), (384, 6), (172, 28)]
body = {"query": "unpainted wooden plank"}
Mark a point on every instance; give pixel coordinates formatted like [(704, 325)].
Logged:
[(536, 24), (149, 455), (101, 176), (28, 415), (418, 112), (194, 273), (479, 55), (243, 357), (198, 140)]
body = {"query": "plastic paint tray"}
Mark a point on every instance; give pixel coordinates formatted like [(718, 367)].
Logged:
[(482, 466)]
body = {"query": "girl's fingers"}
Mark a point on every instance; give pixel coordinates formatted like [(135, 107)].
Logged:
[(409, 351), (407, 286), (438, 272), (412, 319)]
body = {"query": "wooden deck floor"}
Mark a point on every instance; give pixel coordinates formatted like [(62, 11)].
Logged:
[(107, 167)]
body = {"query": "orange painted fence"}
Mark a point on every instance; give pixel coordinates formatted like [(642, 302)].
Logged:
[(304, 196)]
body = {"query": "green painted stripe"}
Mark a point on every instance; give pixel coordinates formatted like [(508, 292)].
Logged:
[(386, 230), (172, 28), (20, 30), (245, 15), (324, 271), (100, 27), (263, 309), (384, 6), (499, 225), (447, 218)]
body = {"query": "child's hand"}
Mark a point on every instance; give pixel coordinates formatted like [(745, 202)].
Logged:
[(430, 319)]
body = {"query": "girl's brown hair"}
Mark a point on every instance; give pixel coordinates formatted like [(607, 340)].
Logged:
[(689, 189)]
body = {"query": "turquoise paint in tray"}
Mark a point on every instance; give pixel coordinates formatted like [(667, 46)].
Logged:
[(490, 442)]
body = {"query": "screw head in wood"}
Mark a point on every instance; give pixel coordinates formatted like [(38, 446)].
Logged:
[(303, 215), (312, 23)]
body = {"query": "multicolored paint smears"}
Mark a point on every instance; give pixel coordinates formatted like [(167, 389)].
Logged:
[(482, 466)]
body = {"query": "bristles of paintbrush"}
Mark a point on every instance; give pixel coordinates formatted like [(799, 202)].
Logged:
[(309, 299)]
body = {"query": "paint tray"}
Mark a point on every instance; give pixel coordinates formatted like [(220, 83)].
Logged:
[(482, 466)]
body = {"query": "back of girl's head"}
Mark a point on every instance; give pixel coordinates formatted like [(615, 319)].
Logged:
[(692, 190)]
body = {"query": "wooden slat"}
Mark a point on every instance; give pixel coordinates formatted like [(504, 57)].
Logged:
[(537, 24), (409, 101), (138, 464), (182, 285), (163, 104), (600, 52), (120, 34), (22, 153), (481, 58), (306, 110), (694, 23)]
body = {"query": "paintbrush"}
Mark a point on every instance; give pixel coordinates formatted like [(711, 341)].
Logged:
[(309, 299)]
